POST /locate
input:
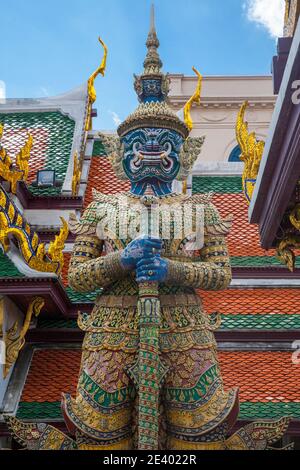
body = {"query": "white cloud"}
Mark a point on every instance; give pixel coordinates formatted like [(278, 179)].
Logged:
[(45, 92), (115, 117), (267, 13)]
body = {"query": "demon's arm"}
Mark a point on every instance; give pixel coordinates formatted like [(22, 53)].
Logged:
[(212, 271), (88, 269)]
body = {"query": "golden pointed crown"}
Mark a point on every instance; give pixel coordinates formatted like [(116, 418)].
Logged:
[(152, 88)]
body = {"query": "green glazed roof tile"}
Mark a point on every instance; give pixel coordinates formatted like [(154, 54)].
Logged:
[(229, 322), (260, 322), (50, 324), (52, 141), (78, 297), (39, 410), (7, 268), (217, 184), (258, 261), (38, 191), (248, 410), (98, 149)]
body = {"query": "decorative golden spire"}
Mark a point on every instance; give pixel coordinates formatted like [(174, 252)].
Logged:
[(194, 99), (92, 94), (152, 63), (152, 88), (252, 152)]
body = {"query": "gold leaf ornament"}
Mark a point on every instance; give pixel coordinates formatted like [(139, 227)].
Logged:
[(285, 251), (76, 175), (295, 217), (252, 152), (15, 341)]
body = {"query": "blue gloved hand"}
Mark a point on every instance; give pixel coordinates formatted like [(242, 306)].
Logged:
[(153, 268), (140, 248)]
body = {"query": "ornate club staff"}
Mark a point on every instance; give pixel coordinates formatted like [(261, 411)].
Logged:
[(148, 372)]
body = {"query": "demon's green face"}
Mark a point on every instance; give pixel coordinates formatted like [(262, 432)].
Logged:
[(151, 156)]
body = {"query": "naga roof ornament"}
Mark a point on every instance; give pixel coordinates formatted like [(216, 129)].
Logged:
[(252, 152), (35, 255), (18, 171), (14, 338)]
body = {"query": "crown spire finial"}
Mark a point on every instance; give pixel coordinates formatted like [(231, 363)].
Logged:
[(152, 18), (152, 88), (152, 63)]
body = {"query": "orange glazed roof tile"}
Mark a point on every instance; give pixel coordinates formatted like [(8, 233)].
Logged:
[(64, 273), (252, 301), (243, 239), (103, 179), (261, 376), (52, 371)]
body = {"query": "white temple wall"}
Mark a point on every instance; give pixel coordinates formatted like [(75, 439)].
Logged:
[(215, 118)]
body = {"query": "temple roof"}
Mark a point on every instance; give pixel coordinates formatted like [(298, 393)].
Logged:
[(276, 190), (102, 176), (48, 151), (56, 125), (255, 308)]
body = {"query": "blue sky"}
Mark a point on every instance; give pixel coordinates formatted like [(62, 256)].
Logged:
[(51, 47)]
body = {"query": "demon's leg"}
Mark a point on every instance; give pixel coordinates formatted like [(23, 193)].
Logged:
[(101, 414), (199, 412)]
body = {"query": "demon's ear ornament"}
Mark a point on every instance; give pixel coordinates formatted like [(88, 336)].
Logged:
[(189, 153), (114, 150)]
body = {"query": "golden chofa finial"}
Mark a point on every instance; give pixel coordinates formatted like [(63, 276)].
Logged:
[(194, 99), (251, 152), (92, 94)]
